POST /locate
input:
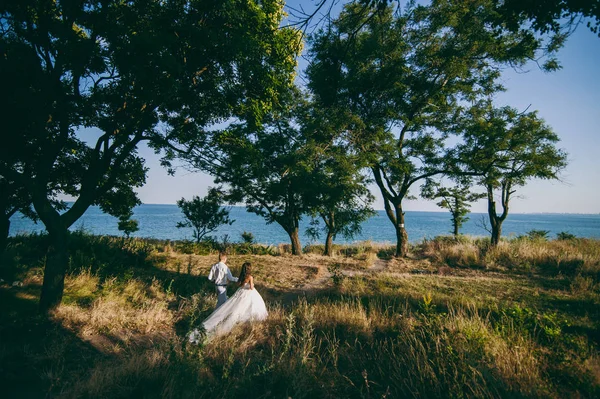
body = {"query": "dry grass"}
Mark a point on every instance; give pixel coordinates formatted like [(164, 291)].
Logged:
[(119, 314), (480, 328), (567, 257)]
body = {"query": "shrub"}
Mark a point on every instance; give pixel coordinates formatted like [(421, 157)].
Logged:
[(564, 236), (539, 235), (248, 238), (336, 274)]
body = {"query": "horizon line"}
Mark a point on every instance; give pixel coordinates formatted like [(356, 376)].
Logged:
[(429, 211)]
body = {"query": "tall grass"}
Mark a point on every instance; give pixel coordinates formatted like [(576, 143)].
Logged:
[(346, 347), (128, 306), (568, 257)]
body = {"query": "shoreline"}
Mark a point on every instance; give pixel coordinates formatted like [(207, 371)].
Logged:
[(159, 222)]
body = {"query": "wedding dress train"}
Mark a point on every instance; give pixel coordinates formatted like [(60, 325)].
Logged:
[(245, 305)]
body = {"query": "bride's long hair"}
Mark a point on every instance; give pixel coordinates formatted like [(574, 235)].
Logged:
[(245, 273)]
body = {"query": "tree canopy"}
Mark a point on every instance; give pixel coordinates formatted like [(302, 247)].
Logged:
[(265, 167), (507, 149), (204, 215), (128, 72), (456, 199), (549, 15), (336, 193), (404, 75)]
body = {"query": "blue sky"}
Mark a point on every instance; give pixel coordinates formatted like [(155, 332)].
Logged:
[(569, 100)]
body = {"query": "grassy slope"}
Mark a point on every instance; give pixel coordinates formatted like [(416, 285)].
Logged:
[(456, 319)]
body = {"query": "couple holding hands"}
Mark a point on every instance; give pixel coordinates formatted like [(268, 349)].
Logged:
[(245, 305)]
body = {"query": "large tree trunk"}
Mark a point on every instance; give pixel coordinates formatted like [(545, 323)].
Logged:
[(328, 244), (55, 269), (4, 229), (57, 260), (295, 239), (401, 234)]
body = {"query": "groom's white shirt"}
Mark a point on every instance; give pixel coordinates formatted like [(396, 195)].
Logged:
[(220, 274)]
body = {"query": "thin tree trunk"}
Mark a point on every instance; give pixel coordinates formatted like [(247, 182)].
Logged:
[(455, 225), (295, 239), (495, 221), (55, 270), (329, 220), (455, 217), (395, 214), (401, 234), (4, 229), (496, 233), (328, 244)]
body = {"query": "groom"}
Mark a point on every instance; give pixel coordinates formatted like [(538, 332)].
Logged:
[(220, 275)]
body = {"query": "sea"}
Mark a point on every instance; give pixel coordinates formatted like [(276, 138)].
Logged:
[(159, 221)]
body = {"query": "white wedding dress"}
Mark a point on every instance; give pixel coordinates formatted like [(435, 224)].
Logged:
[(245, 305)]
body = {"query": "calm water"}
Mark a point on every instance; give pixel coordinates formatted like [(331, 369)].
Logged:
[(158, 221)]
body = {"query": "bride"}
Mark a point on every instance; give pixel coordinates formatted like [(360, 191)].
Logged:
[(245, 305)]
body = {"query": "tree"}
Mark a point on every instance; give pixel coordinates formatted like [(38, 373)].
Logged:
[(345, 219), (507, 149), (545, 15), (12, 200), (25, 111), (130, 72), (204, 215), (548, 15), (402, 74), (128, 225), (266, 166), (338, 195), (248, 238), (456, 199)]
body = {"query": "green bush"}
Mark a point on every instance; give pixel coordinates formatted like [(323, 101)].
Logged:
[(336, 274), (565, 236), (248, 238), (538, 235)]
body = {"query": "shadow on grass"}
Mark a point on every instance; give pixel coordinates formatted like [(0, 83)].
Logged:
[(34, 350)]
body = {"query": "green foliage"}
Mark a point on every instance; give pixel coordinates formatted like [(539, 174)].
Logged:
[(456, 199), (507, 149), (540, 235), (337, 276), (395, 79), (159, 72), (336, 191), (265, 167), (204, 215), (98, 254), (248, 238), (564, 236), (549, 16), (128, 226), (547, 327)]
